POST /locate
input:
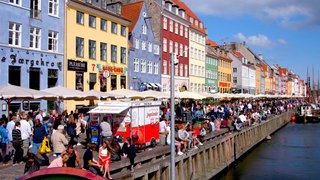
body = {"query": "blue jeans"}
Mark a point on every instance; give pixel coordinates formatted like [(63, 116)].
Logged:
[(35, 147), (4, 152)]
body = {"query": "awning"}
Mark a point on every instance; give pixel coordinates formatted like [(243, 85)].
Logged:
[(154, 86), (159, 85), (109, 109)]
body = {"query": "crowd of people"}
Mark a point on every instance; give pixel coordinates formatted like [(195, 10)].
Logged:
[(24, 135), (206, 118)]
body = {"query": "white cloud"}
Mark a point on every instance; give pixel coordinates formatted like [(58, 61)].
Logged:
[(259, 40), (287, 13), (282, 41)]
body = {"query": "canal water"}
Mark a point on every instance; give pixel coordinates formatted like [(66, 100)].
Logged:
[(292, 153)]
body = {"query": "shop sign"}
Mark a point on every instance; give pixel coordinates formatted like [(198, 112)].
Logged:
[(111, 69), (13, 59), (224, 84), (74, 65)]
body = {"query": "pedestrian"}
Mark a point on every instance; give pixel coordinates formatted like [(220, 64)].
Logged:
[(59, 140), (74, 157), (128, 150), (4, 141), (71, 126), (39, 133), (26, 133), (106, 133), (163, 131), (104, 159), (10, 127), (17, 143), (89, 162)]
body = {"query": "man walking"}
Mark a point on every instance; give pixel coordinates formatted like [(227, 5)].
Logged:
[(25, 134)]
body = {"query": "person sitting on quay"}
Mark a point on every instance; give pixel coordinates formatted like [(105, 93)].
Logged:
[(176, 142), (74, 157), (89, 162), (183, 138), (60, 161), (104, 159)]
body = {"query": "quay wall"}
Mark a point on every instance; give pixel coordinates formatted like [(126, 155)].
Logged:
[(217, 153)]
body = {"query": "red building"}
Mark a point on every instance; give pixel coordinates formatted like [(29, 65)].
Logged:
[(175, 39)]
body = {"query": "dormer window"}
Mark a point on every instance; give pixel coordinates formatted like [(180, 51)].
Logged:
[(191, 20), (196, 23), (201, 25)]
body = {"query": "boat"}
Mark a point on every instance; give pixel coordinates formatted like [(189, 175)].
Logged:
[(308, 113)]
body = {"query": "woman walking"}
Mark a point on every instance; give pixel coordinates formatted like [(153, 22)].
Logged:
[(128, 150), (17, 143)]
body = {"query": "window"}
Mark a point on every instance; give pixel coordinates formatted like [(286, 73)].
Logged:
[(149, 67), (52, 41), (176, 30), (144, 29), (79, 47), (103, 24), (52, 77), (185, 51), (181, 50), (113, 82), (164, 45), (181, 70), (143, 45), (137, 43), (80, 17), (191, 70), (234, 70), (156, 49), (185, 32), (123, 52), (181, 30), (92, 49), (186, 70), (156, 68), (143, 66), (176, 70), (165, 23), (165, 70), (54, 7), (35, 9), (92, 21), (176, 51), (16, 2), (14, 75), (149, 46), (103, 51), (136, 65), (34, 78), (123, 31), (14, 34), (235, 80), (170, 46), (114, 27), (113, 53), (171, 25), (35, 38)]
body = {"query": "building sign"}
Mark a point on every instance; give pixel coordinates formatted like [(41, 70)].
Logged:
[(31, 62), (111, 69), (77, 65), (224, 84)]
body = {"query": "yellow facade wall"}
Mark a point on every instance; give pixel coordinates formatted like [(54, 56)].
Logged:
[(94, 66), (224, 75)]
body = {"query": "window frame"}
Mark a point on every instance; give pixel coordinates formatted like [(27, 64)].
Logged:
[(113, 53), (54, 7), (16, 33), (103, 25), (55, 40), (79, 52), (92, 21), (114, 27), (103, 51), (35, 38), (92, 49), (80, 17)]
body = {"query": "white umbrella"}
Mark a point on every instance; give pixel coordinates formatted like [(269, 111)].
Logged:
[(155, 94), (65, 93), (188, 95), (127, 93), (93, 94), (17, 92)]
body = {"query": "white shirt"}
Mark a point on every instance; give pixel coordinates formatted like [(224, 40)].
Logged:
[(39, 116), (162, 126), (25, 129), (242, 118), (10, 127), (105, 129)]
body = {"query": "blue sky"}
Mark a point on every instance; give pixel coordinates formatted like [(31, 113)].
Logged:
[(285, 32)]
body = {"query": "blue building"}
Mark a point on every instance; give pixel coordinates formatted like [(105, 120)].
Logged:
[(144, 55), (31, 48)]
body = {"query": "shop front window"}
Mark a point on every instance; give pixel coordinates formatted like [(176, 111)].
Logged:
[(123, 82), (113, 82), (34, 78), (14, 75), (52, 77), (79, 81)]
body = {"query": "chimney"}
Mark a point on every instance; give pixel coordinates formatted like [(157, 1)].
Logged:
[(260, 56), (244, 43)]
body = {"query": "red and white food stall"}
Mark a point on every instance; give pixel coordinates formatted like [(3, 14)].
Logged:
[(136, 119)]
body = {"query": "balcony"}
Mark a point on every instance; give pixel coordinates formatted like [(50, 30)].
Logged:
[(35, 13)]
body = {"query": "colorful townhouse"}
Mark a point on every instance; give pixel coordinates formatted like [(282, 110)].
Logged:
[(283, 73), (212, 59), (96, 47), (31, 48), (240, 75), (197, 48), (224, 71), (144, 62), (175, 40)]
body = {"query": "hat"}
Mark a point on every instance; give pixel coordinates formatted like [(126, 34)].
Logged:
[(60, 127)]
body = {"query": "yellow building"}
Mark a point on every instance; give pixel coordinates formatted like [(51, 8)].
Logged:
[(268, 79), (258, 78), (224, 73), (96, 42)]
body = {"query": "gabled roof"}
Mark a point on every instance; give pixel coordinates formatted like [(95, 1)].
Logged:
[(190, 13), (211, 43), (132, 11), (238, 54)]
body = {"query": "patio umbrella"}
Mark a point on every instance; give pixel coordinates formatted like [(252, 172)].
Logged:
[(96, 95), (127, 93), (188, 95), (16, 92), (155, 94), (65, 93)]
